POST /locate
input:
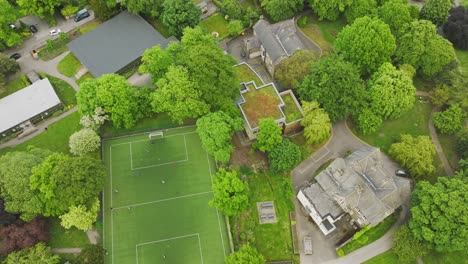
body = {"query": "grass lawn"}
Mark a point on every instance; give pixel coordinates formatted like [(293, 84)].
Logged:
[(456, 257), (272, 240), (14, 86), (65, 238), (59, 49), (88, 27), (65, 92), (216, 23), (159, 195), (306, 148), (55, 138), (423, 85), (87, 75), (69, 65), (448, 143), (71, 258), (323, 33), (462, 56), (388, 257), (372, 234), (246, 75)]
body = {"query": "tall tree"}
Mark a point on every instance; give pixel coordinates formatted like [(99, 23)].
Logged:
[(80, 216), (178, 15), (439, 213), (367, 43), (114, 94), (230, 193), (103, 9), (436, 11), (391, 92), (233, 9), (178, 96), (414, 153), (8, 36), (84, 141), (150, 7), (449, 121), (245, 255), (329, 9), (7, 67), (396, 14), (291, 71), (406, 246), (269, 135), (367, 120), (422, 48), (216, 130), (335, 84), (24, 234), (284, 156), (40, 8), (39, 254), (456, 28), (15, 170), (360, 8), (282, 9), (92, 254), (316, 122), (156, 61), (461, 145)]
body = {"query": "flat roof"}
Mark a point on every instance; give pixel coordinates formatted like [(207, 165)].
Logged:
[(27, 103), (115, 43)]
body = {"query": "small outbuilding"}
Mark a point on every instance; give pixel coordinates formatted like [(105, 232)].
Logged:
[(27, 106)]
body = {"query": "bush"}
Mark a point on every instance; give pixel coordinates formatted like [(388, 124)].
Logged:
[(462, 143), (69, 10), (302, 21), (84, 141), (284, 156), (235, 28), (24, 234), (449, 121)]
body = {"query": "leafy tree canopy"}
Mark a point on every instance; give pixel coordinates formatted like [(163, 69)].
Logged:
[(245, 255), (436, 11), (80, 216), (178, 96), (103, 9), (284, 156), (396, 15), (156, 61), (178, 15), (424, 49), (39, 254), (84, 141), (8, 36), (291, 71), (215, 131), (414, 153), (40, 8), (92, 254), (230, 193), (439, 213), (150, 7), (335, 84), (280, 10), (367, 120), (456, 28), (360, 8), (367, 43), (329, 9), (269, 135), (449, 121), (406, 246), (462, 143), (316, 123), (7, 67), (6, 218), (24, 234)]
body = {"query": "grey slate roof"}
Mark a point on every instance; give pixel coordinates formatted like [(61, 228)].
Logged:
[(116, 43), (323, 203), (27, 103), (361, 183), (279, 40)]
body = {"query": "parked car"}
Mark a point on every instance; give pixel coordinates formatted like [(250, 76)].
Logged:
[(33, 29), (82, 14), (15, 56), (401, 173), (55, 32)]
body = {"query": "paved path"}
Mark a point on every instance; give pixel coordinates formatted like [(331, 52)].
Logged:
[(93, 236), (66, 250)]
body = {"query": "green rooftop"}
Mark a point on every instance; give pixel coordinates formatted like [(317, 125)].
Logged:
[(246, 75), (291, 110)]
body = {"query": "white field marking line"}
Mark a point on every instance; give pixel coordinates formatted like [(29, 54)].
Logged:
[(162, 164), (217, 212), (168, 239), (162, 200), (111, 190), (142, 133), (131, 156), (143, 140)]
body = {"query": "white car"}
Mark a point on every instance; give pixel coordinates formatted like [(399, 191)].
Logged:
[(55, 32)]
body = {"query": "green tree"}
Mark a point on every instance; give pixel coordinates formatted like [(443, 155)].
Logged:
[(7, 68), (367, 43), (80, 216), (233, 9), (235, 27), (63, 37), (50, 45), (117, 98), (360, 8), (316, 123), (390, 92), (156, 62), (367, 120), (406, 246), (449, 121), (40, 8), (422, 48), (94, 121), (62, 182), (291, 71), (178, 96), (329, 9), (39, 254), (245, 255), (103, 9), (436, 11), (461, 145), (284, 156), (92, 254), (415, 154), (84, 141), (439, 213), (215, 131), (396, 14), (230, 193), (8, 14), (269, 135), (178, 15), (150, 7), (335, 84), (282, 9), (15, 170)]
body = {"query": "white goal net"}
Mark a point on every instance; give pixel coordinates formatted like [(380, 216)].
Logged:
[(155, 135)]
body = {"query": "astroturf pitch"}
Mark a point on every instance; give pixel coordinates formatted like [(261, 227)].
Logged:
[(156, 201)]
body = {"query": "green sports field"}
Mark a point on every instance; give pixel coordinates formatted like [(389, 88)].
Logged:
[(156, 201)]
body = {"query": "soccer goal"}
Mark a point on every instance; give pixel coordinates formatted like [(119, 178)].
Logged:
[(155, 135)]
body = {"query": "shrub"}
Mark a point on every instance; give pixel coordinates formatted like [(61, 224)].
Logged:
[(449, 121), (302, 21), (84, 141), (69, 10)]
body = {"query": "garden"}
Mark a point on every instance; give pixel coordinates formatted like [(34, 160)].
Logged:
[(323, 33), (216, 23)]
